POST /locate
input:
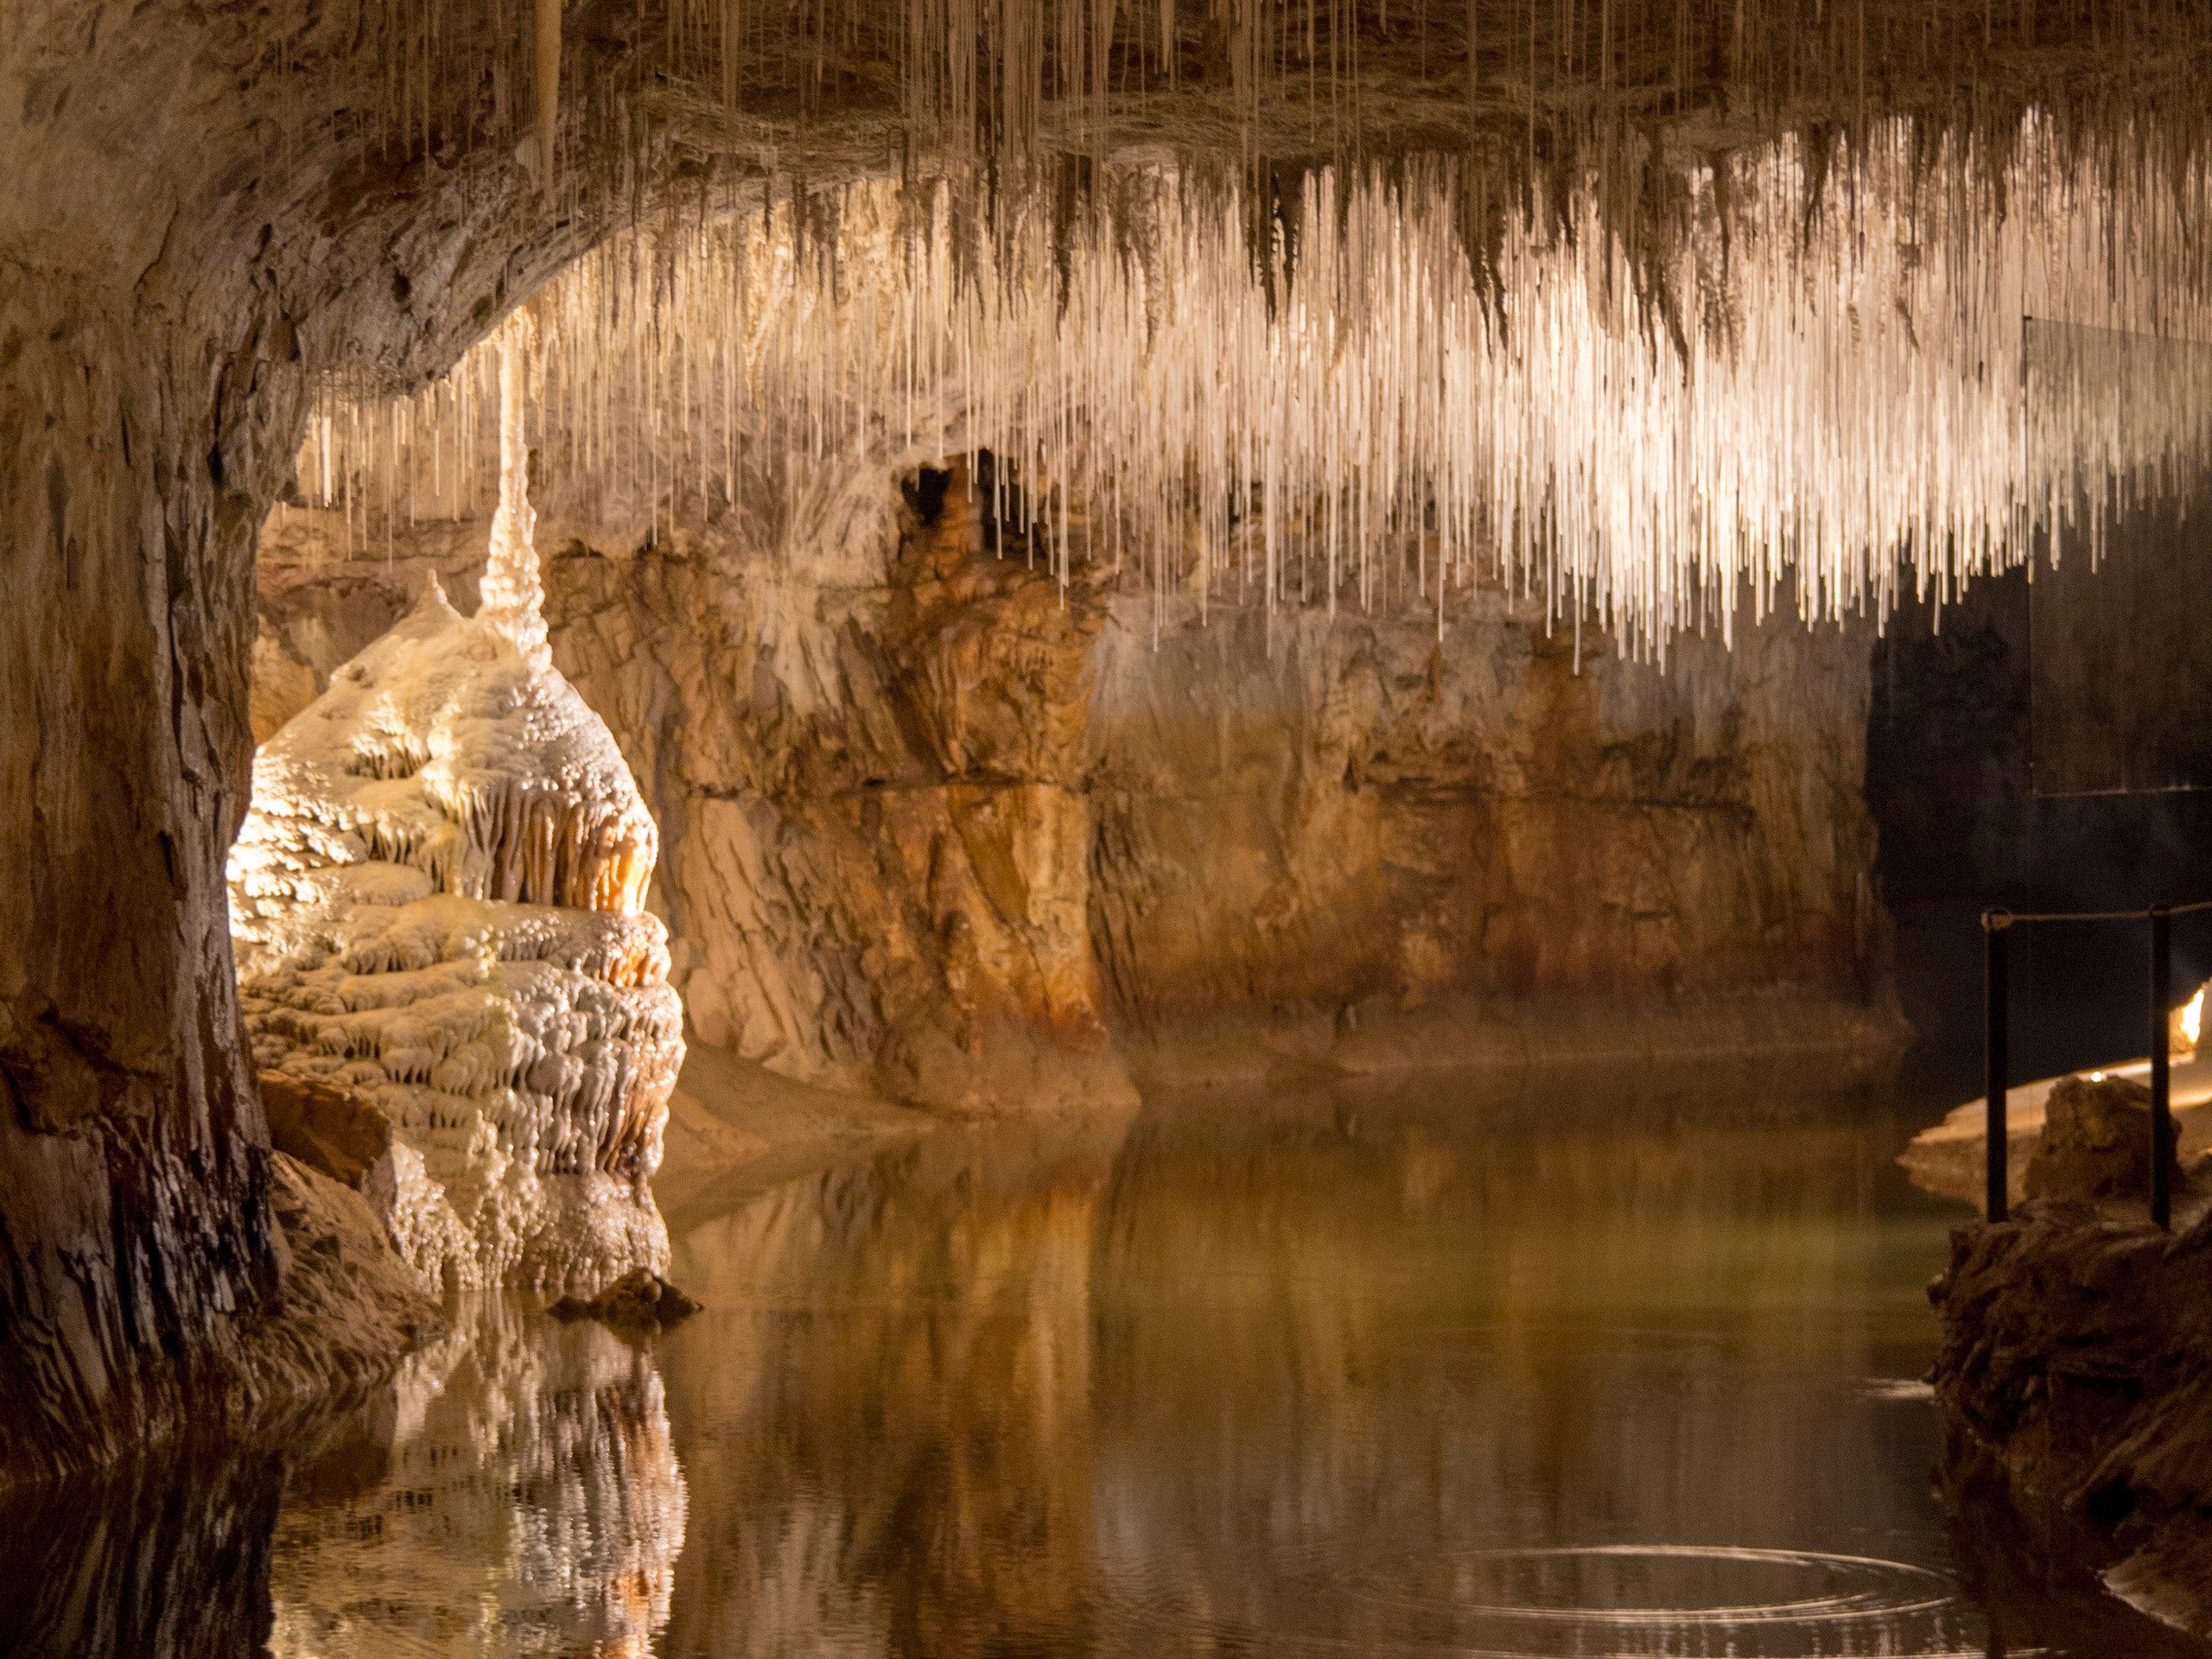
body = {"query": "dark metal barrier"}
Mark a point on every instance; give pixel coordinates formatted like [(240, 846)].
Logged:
[(1996, 929), (1996, 926)]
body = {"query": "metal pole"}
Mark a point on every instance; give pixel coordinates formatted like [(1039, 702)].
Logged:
[(1995, 925), (2161, 1115)]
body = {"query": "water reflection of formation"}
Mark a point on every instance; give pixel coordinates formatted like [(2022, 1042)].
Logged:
[(1316, 1375), (516, 1490), (1358, 1372)]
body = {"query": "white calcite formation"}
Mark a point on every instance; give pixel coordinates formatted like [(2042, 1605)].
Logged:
[(438, 903)]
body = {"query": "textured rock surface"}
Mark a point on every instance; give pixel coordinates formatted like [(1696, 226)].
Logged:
[(337, 1271), (436, 903), (2096, 1142), (937, 831), (1479, 847), (191, 223), (134, 1198), (2072, 1378), (329, 1127)]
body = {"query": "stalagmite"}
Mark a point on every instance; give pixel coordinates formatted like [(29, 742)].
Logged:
[(437, 906)]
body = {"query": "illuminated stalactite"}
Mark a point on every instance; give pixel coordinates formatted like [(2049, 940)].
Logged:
[(547, 87), (1824, 375)]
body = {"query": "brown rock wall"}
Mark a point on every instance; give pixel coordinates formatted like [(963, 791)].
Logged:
[(2074, 1395), (133, 1207), (937, 829), (1353, 820)]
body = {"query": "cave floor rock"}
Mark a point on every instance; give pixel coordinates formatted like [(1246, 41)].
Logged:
[(2072, 1377), (1946, 1159)]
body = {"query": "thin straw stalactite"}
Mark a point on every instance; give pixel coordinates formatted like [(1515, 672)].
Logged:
[(1813, 378)]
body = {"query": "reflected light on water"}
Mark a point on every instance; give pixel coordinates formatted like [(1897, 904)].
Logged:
[(1591, 1366), (1372, 1369)]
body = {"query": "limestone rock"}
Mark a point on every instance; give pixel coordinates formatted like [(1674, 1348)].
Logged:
[(328, 1127), (640, 1301), (2096, 1142), (336, 1263), (2072, 1379), (437, 912)]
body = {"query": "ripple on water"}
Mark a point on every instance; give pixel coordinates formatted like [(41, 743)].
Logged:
[(1619, 1601)]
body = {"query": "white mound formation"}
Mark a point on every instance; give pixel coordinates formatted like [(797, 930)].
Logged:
[(437, 904)]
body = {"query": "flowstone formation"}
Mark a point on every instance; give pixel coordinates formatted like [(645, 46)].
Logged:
[(437, 906)]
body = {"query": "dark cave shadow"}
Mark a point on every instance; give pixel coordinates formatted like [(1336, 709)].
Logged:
[(2036, 1581), (164, 1556)]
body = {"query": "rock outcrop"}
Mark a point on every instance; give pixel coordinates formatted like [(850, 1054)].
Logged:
[(2072, 1378), (2095, 1143)]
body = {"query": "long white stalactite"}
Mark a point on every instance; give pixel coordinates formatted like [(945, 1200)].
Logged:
[(512, 594), (1825, 376)]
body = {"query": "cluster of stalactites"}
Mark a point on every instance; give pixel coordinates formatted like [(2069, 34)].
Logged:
[(543, 846), (1824, 377), (522, 841), (1007, 78)]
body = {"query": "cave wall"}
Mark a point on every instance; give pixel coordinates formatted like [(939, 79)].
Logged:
[(1951, 787), (937, 830), (134, 1209), (200, 209), (1480, 844)]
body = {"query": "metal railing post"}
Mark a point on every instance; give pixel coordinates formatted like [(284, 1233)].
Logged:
[(2162, 1116), (1995, 927)]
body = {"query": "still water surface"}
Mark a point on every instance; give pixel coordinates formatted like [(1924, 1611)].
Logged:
[(1580, 1364)]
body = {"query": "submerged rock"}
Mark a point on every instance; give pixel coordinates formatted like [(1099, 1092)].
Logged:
[(640, 1301)]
